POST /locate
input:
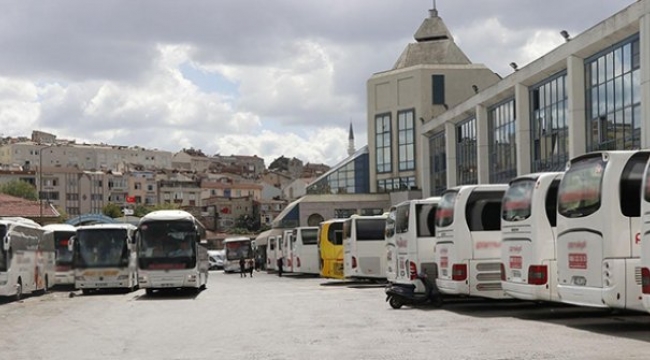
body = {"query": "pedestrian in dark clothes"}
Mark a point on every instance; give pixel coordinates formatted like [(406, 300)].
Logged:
[(251, 266), (280, 267), (242, 267)]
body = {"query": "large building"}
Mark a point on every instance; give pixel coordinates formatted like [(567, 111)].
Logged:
[(587, 94), (432, 75), (590, 93)]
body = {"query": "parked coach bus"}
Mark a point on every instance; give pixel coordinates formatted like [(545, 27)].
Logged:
[(287, 251), (236, 248), (468, 241), (305, 250), (364, 247), (26, 258), (330, 247), (410, 242), (104, 257), (170, 251), (598, 245), (60, 235), (528, 225)]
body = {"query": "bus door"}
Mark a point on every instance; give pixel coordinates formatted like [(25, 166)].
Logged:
[(391, 246)]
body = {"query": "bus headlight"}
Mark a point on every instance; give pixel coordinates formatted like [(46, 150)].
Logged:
[(191, 278)]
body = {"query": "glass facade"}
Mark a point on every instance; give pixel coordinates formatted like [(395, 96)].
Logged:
[(466, 157), (438, 157), (396, 184), (351, 177), (613, 89), (383, 143), (549, 129), (406, 140), (503, 149)]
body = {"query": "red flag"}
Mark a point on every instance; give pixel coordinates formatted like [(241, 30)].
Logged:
[(130, 199)]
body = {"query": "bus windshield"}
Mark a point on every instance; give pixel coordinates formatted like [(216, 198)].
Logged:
[(309, 236), (579, 193), (426, 218), (63, 253), (3, 254), (167, 245), (370, 229), (445, 212), (101, 248), (335, 233), (238, 249), (517, 202)]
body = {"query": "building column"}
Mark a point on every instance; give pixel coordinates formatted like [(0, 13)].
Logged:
[(576, 115), (522, 129), (483, 145), (423, 165), (644, 43), (450, 149)]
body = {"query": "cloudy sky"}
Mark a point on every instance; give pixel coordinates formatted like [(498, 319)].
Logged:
[(249, 77)]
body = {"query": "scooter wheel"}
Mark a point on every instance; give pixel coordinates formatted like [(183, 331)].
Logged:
[(395, 303)]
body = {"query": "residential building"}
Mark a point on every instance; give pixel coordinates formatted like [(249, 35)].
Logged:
[(269, 210), (188, 162), (179, 189), (296, 189), (143, 188), (227, 188)]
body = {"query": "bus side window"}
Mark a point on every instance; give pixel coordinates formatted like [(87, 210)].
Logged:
[(483, 211), (630, 185)]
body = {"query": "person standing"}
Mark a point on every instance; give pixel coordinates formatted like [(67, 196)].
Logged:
[(280, 266), (251, 266), (242, 267)]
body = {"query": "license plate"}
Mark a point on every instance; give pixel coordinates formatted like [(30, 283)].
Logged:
[(100, 284), (578, 261), (516, 262)]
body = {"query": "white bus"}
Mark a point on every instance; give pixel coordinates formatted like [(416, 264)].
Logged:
[(468, 241), (305, 250), (528, 225), (410, 242), (104, 257), (61, 234), (236, 248), (26, 258), (171, 254), (598, 244), (364, 247), (287, 254), (645, 239)]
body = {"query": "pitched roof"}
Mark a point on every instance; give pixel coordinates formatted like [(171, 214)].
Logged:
[(434, 45), (15, 206)]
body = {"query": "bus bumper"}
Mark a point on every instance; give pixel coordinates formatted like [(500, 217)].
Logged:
[(526, 292), (582, 296), (452, 287), (64, 278), (169, 281), (103, 284)]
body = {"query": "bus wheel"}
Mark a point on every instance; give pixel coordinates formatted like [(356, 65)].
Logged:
[(394, 303), (19, 290), (149, 292)]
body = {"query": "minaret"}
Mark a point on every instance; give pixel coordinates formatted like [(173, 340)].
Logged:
[(351, 149)]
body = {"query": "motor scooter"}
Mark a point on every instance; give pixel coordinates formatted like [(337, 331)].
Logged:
[(398, 295)]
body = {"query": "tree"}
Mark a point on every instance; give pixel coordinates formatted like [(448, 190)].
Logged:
[(112, 210), (19, 189), (281, 163)]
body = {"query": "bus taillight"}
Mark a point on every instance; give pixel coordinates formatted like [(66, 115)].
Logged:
[(537, 275), (503, 272), (459, 272), (645, 280), (413, 270), (354, 262)]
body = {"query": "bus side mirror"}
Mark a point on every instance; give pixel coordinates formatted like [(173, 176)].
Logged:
[(71, 243)]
